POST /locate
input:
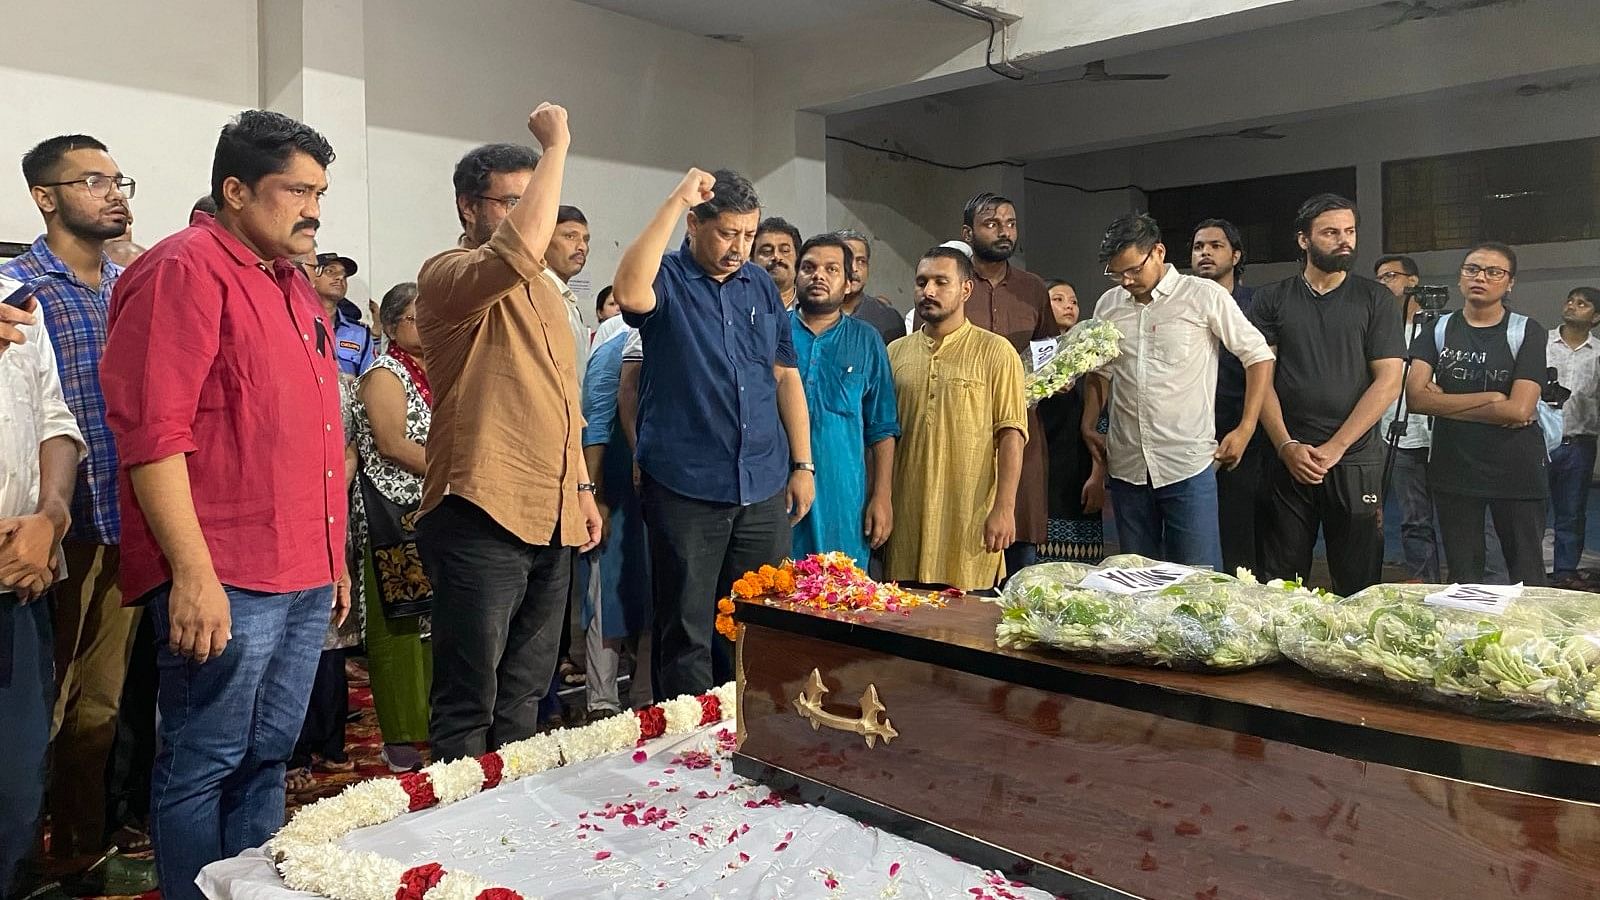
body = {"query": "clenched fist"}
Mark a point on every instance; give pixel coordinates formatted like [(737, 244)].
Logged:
[(695, 188), (548, 123)]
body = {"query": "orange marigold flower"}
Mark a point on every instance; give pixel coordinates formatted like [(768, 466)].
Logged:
[(784, 582), (725, 606), (746, 588)]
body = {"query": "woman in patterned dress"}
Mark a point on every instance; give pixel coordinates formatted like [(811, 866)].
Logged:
[(1077, 486), (394, 409)]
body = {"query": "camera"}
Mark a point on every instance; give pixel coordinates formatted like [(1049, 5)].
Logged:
[(1429, 297), (1554, 393)]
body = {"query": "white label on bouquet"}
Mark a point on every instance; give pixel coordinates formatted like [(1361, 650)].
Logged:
[(1137, 581), (1491, 599), (1043, 351)]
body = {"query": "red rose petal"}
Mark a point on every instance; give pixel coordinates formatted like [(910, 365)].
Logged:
[(602, 854)]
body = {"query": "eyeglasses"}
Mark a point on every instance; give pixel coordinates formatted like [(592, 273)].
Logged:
[(1125, 274), (1492, 273), (100, 185), (408, 318), (509, 203), (1391, 276)]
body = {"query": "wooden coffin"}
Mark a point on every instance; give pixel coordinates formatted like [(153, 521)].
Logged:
[(1103, 781)]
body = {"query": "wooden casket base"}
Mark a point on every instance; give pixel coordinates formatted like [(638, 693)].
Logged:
[(1100, 781)]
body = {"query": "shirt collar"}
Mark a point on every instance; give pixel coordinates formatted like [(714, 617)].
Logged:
[(1168, 282), (959, 332), (49, 262), (1589, 342), (241, 254)]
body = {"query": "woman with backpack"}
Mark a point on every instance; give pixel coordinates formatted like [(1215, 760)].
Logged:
[(1479, 373)]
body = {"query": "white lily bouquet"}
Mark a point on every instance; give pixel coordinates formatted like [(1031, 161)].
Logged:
[(1089, 345)]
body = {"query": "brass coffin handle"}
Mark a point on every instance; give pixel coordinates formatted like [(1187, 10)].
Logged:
[(868, 724)]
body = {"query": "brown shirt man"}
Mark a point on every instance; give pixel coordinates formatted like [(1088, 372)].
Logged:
[(506, 416), (1017, 308)]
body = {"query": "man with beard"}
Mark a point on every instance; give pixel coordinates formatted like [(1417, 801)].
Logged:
[(564, 259), (964, 423), (850, 396), (776, 250), (83, 197), (353, 343), (218, 363), (1338, 344), (1014, 304), (1217, 252), (724, 439), (875, 311), (501, 507), (1160, 451)]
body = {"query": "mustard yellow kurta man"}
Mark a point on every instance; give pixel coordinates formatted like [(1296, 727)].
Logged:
[(964, 423)]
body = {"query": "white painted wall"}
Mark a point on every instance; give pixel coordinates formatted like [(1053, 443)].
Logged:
[(143, 78), (1365, 140), (645, 104)]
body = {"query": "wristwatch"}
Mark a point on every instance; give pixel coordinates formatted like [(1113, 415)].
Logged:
[(586, 487), (803, 467)]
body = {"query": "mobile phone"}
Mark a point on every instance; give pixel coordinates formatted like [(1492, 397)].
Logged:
[(19, 297)]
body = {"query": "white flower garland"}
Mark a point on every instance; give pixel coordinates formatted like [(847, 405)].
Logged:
[(307, 848)]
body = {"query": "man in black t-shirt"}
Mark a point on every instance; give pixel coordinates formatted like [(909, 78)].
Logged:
[(1482, 388), (1338, 341)]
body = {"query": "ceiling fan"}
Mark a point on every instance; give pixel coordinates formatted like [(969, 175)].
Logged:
[(1418, 10), (1096, 72)]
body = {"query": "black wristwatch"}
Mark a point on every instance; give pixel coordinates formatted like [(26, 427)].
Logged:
[(586, 487), (803, 467)]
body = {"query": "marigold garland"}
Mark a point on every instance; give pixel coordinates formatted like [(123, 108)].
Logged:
[(821, 581)]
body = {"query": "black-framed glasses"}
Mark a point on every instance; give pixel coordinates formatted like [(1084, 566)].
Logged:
[(1130, 272), (508, 202), (1492, 273), (99, 186), (1387, 277)]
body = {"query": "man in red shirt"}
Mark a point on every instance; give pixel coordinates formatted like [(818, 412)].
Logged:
[(222, 391)]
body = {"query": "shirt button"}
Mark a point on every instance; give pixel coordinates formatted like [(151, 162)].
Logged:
[(330, 520), (330, 473), (319, 379), (305, 337), (327, 427)]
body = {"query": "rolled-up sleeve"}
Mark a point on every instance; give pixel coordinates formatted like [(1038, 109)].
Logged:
[(163, 339), (1235, 331), (1010, 409), (55, 418), (460, 284)]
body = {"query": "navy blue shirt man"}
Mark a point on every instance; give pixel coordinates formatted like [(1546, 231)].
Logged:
[(724, 440), (1217, 252), (353, 344)]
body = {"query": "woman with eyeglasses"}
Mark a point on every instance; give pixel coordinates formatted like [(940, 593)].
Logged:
[(1481, 383)]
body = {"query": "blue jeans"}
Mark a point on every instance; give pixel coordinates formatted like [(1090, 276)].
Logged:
[(1419, 542), (1571, 467), (27, 692), (1176, 523), (227, 726)]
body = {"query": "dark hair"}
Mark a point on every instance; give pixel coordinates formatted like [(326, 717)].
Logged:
[(600, 298), (829, 239), (1589, 294), (40, 164), (1057, 282), (570, 214), (1135, 229), (472, 173), (732, 193), (851, 234), (775, 223), (1316, 206), (979, 203), (206, 205), (963, 262), (394, 303), (258, 143), (1229, 231), (1407, 264), (1496, 247)]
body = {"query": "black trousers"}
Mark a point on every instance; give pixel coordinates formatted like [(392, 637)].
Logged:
[(1518, 523), (1344, 507), (497, 610), (1242, 497), (697, 550), (322, 733), (133, 750)]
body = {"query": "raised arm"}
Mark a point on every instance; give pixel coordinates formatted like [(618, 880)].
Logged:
[(634, 284)]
